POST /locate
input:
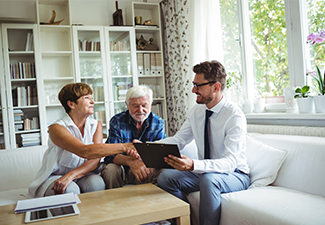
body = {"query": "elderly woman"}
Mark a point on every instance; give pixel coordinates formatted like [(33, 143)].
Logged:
[(74, 148)]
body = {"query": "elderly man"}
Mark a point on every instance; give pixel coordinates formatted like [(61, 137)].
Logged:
[(138, 122)]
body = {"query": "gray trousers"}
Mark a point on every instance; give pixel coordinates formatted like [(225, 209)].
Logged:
[(90, 182), (115, 176)]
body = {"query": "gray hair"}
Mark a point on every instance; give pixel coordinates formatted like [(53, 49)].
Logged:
[(137, 92)]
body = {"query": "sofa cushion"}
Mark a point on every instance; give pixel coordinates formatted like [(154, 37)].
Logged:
[(264, 161), (19, 166), (303, 169), (272, 205)]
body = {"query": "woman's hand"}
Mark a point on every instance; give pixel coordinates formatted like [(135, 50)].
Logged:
[(62, 183)]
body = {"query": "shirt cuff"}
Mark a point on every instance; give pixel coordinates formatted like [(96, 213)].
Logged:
[(198, 166)]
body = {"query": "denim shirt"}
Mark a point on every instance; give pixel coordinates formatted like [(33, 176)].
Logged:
[(122, 129)]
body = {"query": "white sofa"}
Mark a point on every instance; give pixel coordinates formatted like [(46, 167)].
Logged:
[(288, 183), (17, 170), (291, 191)]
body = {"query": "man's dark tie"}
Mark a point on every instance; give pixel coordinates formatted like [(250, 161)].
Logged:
[(208, 113)]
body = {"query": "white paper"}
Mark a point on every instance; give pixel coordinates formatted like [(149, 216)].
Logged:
[(46, 202)]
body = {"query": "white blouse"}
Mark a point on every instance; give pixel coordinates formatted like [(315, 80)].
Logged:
[(57, 161)]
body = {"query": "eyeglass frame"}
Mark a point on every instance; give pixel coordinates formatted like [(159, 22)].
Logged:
[(199, 85)]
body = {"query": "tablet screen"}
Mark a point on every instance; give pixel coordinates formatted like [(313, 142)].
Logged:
[(51, 213)]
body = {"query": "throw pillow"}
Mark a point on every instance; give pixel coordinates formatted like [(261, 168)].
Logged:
[(264, 161)]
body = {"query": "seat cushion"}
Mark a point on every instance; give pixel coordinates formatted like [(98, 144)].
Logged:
[(272, 205), (12, 196)]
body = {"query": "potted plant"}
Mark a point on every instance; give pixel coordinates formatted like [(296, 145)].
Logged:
[(304, 100), (319, 99)]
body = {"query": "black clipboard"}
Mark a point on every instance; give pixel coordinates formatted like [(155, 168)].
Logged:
[(152, 154)]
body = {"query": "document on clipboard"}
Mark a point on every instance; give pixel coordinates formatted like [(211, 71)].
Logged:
[(152, 154)]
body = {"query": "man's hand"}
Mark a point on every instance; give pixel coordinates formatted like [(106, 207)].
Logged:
[(133, 153), (61, 184), (139, 169), (184, 163)]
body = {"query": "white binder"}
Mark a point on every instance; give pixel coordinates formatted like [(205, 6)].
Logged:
[(146, 64)]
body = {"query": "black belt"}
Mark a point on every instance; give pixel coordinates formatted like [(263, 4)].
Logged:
[(241, 172)]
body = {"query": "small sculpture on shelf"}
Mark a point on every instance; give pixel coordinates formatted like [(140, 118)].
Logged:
[(52, 22), (142, 44), (117, 16), (149, 23)]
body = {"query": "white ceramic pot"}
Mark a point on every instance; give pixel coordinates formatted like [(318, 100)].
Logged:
[(319, 101), (259, 105), (306, 105), (248, 106), (290, 101)]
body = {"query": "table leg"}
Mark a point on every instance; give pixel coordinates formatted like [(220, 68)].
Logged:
[(183, 220)]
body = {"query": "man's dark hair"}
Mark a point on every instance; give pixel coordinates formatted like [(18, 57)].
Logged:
[(213, 71)]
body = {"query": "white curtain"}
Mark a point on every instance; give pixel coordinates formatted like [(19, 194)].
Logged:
[(205, 35)]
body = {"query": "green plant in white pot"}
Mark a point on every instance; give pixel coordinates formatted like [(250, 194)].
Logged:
[(304, 100), (319, 99)]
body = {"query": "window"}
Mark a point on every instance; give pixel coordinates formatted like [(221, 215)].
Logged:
[(231, 47), (315, 52), (264, 45), (269, 47)]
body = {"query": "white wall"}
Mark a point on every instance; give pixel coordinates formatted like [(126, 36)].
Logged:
[(87, 12), (21, 10)]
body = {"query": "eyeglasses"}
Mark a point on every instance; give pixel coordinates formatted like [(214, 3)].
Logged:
[(199, 85)]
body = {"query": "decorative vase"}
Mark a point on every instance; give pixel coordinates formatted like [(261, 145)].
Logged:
[(248, 106), (259, 105), (290, 101), (319, 101), (306, 105)]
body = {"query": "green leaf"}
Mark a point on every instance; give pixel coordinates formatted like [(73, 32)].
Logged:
[(298, 90), (320, 80), (305, 89)]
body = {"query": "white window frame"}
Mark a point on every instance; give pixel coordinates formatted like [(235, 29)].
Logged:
[(296, 24)]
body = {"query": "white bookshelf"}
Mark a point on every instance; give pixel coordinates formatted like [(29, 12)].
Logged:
[(59, 60)]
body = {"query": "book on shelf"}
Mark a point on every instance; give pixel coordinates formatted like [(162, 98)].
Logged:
[(22, 70), (18, 115), (100, 116), (157, 109), (31, 124), (98, 93), (121, 88), (30, 139), (119, 46), (155, 90), (24, 96), (85, 45), (29, 42), (20, 66), (18, 126)]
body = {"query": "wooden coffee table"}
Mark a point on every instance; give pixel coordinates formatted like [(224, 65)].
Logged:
[(137, 204)]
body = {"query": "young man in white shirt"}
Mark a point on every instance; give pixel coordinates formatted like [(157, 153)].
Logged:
[(222, 165)]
